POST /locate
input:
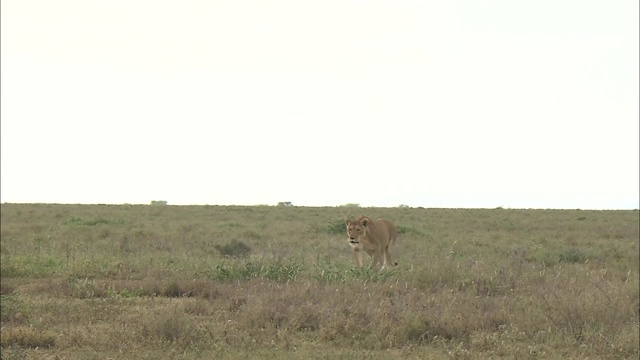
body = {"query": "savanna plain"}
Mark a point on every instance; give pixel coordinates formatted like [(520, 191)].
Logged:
[(269, 282)]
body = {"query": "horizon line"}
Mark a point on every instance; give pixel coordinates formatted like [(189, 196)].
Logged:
[(347, 205)]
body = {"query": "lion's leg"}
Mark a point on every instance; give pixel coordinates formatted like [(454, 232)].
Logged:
[(377, 258), (385, 258), (357, 257), (388, 253)]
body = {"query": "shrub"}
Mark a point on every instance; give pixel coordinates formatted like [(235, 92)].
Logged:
[(573, 255), (234, 249)]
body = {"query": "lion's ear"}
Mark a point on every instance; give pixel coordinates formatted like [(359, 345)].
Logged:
[(364, 221), (348, 221)]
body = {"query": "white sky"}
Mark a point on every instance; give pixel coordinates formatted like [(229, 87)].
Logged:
[(520, 104)]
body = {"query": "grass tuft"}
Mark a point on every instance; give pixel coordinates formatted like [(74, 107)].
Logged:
[(26, 337), (573, 255), (13, 310)]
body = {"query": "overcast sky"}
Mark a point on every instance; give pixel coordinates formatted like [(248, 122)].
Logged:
[(519, 104)]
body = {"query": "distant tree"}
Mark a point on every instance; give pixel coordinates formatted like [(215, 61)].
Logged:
[(403, 206), (352, 205), (158, 202), (285, 203)]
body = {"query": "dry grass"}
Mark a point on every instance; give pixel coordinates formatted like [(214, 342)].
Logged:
[(278, 282)]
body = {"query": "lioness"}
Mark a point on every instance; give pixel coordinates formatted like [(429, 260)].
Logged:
[(375, 237)]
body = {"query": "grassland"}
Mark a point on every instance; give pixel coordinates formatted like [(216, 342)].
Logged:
[(198, 282)]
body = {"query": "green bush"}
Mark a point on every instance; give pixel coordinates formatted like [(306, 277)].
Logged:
[(234, 249)]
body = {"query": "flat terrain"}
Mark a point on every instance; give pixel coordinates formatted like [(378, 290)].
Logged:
[(203, 282)]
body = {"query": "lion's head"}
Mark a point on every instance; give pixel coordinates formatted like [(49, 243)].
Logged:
[(356, 229)]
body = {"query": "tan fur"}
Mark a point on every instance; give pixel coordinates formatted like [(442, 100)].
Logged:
[(375, 237)]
